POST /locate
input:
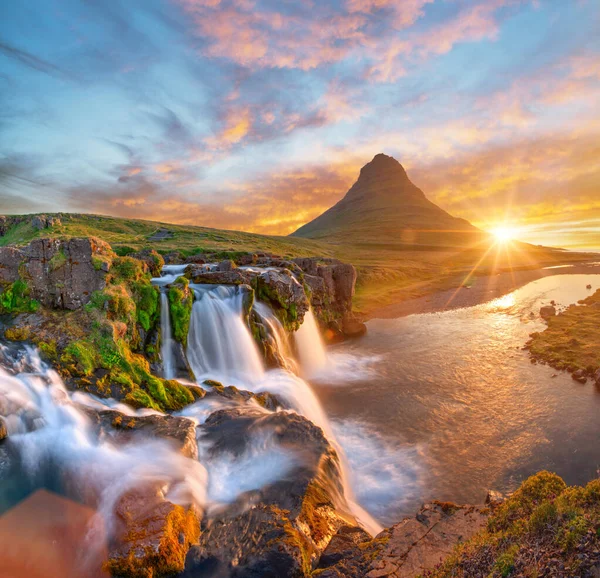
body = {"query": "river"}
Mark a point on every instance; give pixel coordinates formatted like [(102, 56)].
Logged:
[(448, 405)]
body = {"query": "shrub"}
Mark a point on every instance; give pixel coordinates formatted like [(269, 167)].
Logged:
[(15, 299)]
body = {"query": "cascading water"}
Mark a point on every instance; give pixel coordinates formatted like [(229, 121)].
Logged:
[(166, 340), (220, 345), (278, 334), (310, 346), (59, 448)]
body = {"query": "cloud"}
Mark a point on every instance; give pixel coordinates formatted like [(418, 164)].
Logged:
[(34, 62), (259, 35)]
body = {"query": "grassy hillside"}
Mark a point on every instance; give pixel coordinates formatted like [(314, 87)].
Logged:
[(138, 234), (389, 270)]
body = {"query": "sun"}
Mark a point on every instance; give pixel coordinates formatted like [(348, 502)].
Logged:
[(504, 233)]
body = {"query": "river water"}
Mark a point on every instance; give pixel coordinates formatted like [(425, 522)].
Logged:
[(448, 405)]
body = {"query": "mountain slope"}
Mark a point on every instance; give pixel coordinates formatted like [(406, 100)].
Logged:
[(385, 206)]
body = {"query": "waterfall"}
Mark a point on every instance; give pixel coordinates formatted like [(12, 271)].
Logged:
[(279, 335), (166, 341), (310, 346), (59, 448), (220, 345)]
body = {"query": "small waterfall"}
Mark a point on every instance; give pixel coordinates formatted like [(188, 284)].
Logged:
[(220, 345), (166, 340), (278, 334), (310, 346)]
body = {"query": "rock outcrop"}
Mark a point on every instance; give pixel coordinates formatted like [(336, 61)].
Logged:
[(60, 274), (406, 550), (279, 530)]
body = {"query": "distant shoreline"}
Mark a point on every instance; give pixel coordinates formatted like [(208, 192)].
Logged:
[(484, 288)]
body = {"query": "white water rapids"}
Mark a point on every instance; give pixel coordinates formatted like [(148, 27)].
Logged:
[(51, 431)]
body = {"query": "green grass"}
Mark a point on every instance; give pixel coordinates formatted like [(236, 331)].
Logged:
[(572, 338), (544, 523), (389, 269)]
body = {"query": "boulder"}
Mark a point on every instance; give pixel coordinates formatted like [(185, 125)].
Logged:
[(353, 328), (580, 376), (279, 530), (548, 311)]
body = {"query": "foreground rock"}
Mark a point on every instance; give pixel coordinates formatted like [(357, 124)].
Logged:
[(153, 535), (277, 531), (405, 550)]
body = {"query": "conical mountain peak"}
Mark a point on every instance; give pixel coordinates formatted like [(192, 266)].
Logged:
[(383, 205)]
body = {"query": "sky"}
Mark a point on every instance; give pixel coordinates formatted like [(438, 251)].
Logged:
[(258, 114)]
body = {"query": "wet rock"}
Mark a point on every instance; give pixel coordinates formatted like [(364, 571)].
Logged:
[(286, 296), (3, 429), (231, 393), (124, 429), (280, 529), (349, 554), (548, 311), (580, 376), (597, 376), (418, 544), (153, 535), (198, 274), (353, 328)]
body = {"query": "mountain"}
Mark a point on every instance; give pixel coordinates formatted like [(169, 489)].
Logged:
[(384, 206)]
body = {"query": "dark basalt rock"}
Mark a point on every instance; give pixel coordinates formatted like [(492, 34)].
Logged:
[(279, 530), (124, 429)]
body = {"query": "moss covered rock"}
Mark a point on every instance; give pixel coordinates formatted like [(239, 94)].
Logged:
[(181, 300)]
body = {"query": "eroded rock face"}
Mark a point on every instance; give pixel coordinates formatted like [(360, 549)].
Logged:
[(60, 274), (417, 544), (280, 529)]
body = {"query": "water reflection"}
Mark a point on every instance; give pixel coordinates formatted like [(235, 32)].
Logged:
[(457, 390)]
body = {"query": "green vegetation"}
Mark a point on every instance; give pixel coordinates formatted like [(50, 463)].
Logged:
[(58, 260), (181, 300), (572, 338), (15, 299), (390, 269), (544, 525)]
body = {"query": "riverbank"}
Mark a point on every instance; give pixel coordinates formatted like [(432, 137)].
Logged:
[(571, 342), (479, 290)]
